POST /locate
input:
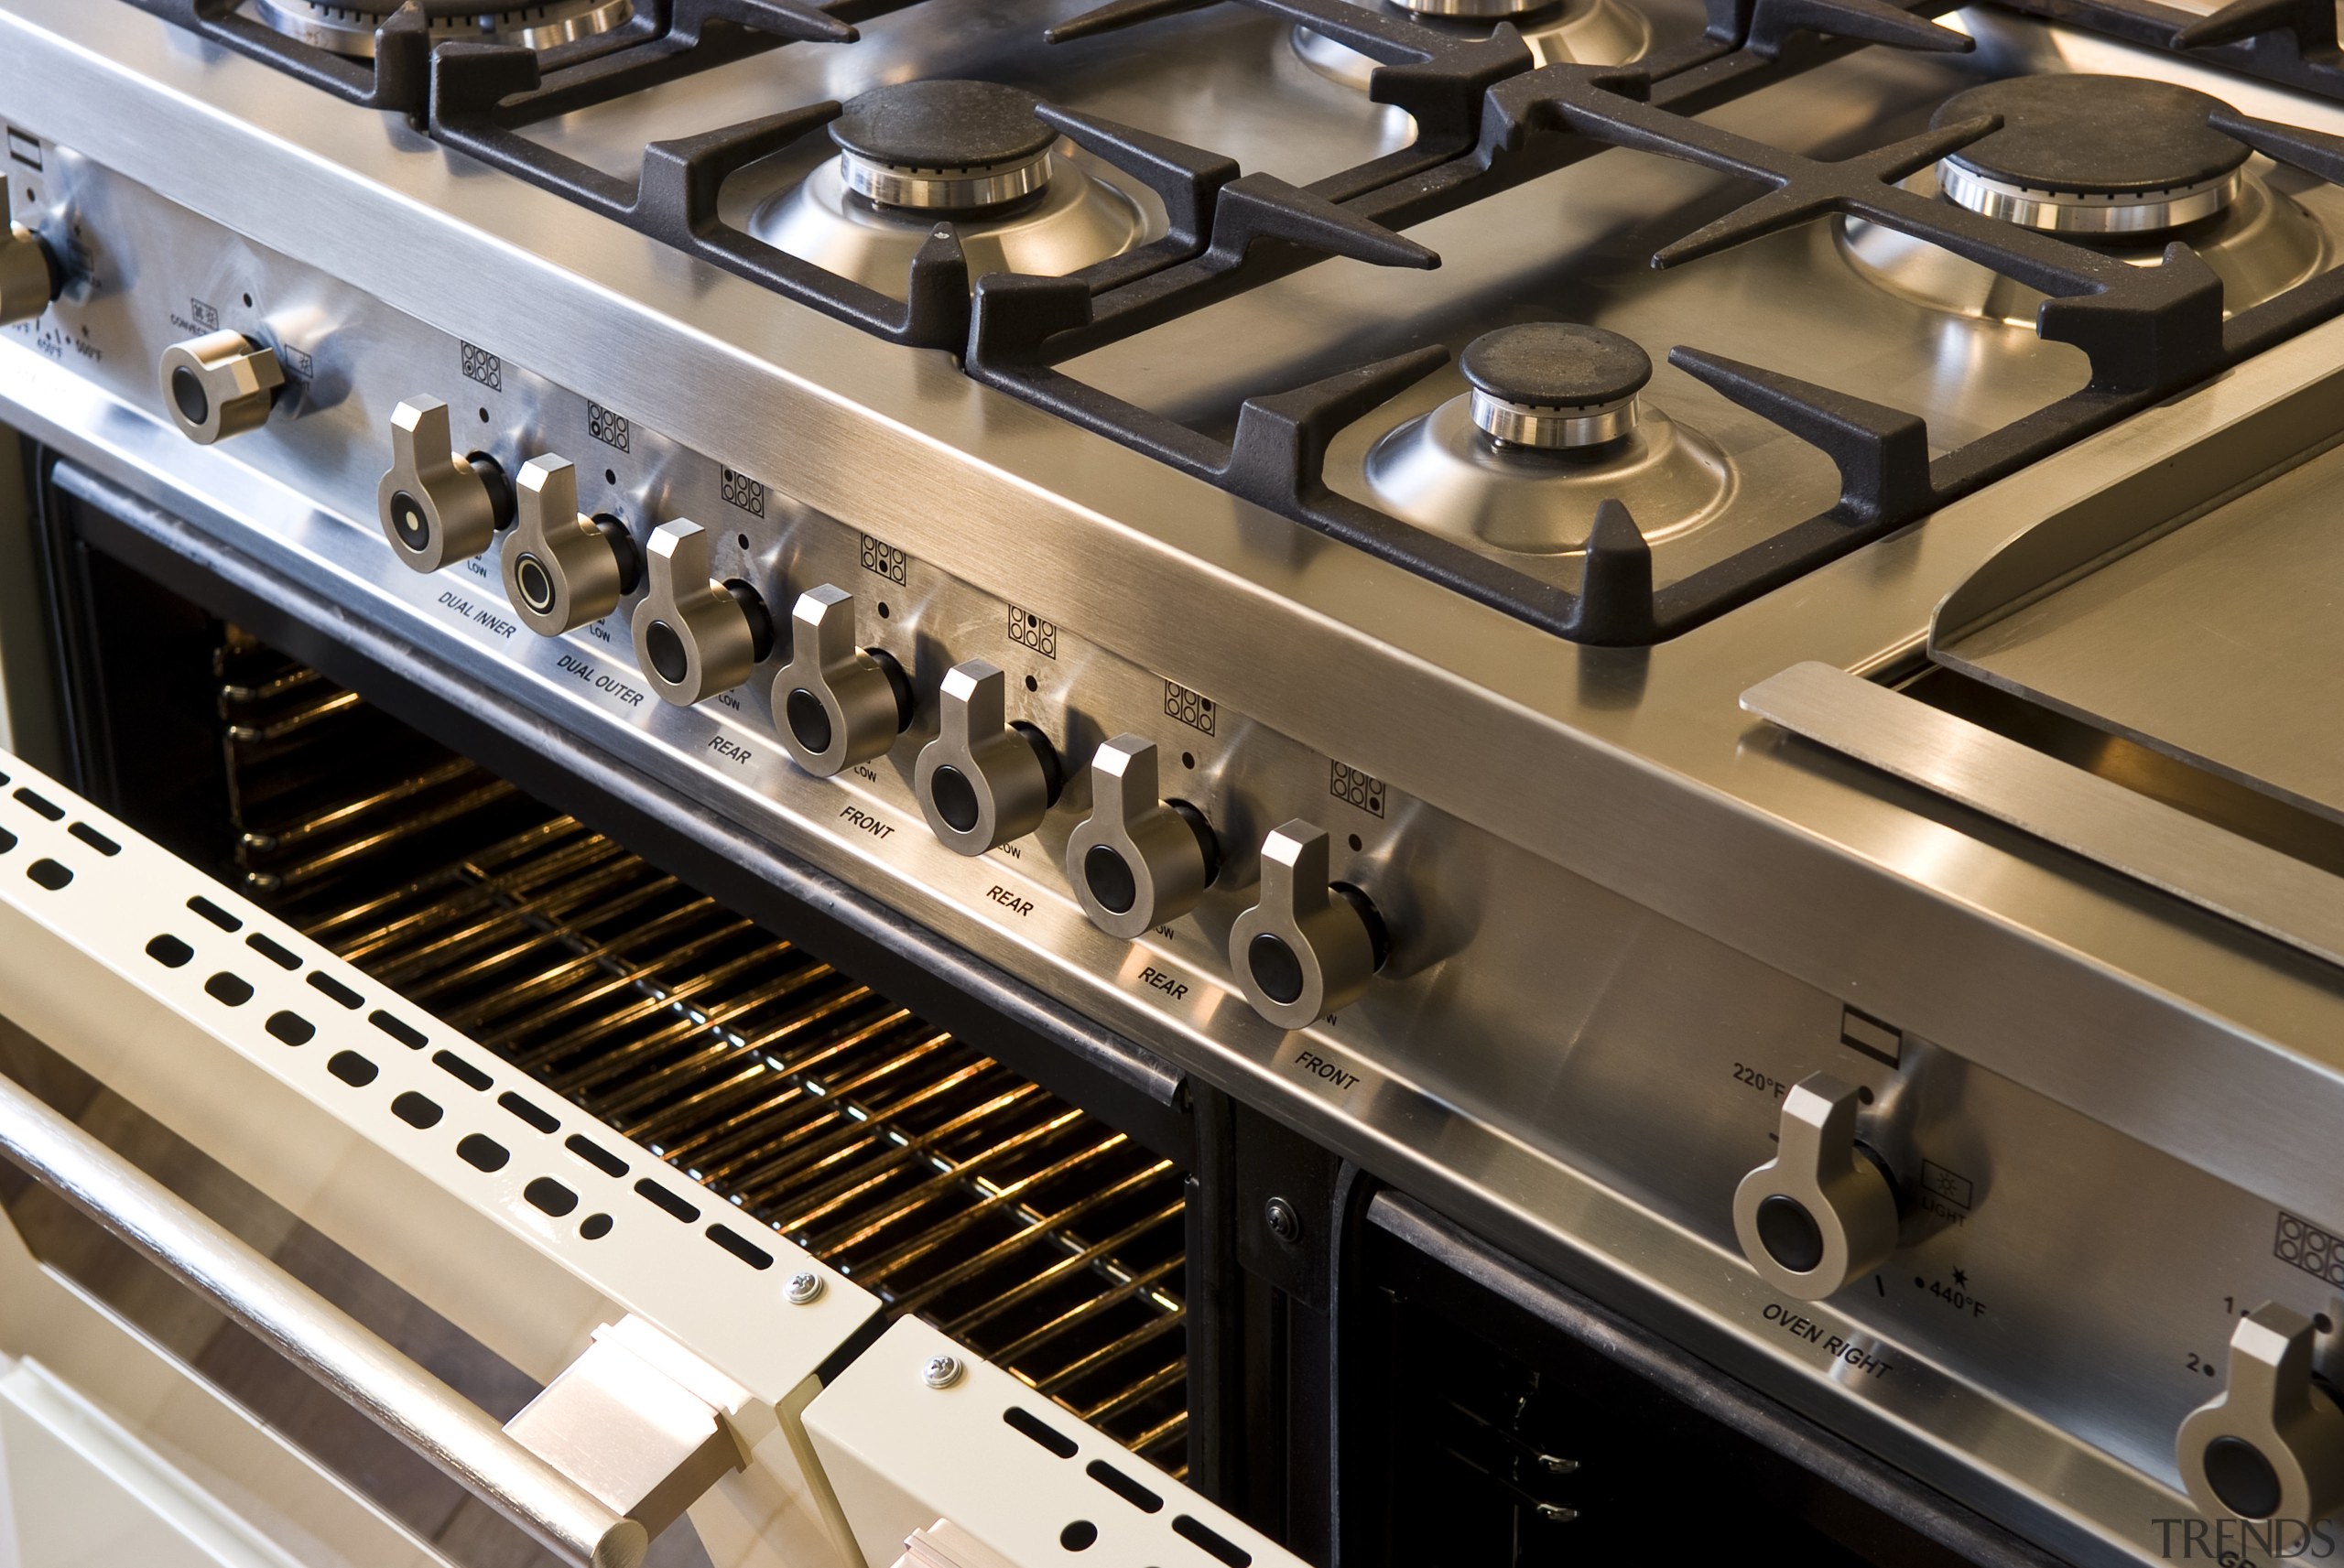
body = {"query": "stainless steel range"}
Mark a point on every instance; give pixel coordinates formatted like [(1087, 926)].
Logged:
[(1583, 744)]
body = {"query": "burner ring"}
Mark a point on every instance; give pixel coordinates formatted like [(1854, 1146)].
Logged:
[(1482, 10), (1555, 385), (943, 147), (2091, 155), (347, 27)]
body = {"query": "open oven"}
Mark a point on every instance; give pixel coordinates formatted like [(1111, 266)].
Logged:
[(530, 1071)]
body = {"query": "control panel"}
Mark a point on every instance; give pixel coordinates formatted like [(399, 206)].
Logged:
[(1842, 1201)]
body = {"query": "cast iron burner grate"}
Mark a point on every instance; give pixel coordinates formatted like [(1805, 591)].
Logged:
[(932, 1176), (1487, 118)]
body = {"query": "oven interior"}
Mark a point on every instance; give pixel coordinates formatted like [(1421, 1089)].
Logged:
[(1390, 1390)]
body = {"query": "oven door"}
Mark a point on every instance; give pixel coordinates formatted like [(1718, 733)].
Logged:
[(289, 1162)]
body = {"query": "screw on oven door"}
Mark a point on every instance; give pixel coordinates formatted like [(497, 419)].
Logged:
[(438, 507), (2271, 1445), (1284, 1222), (1137, 860), (30, 276), (219, 385), (941, 1371), (1822, 1211), (804, 1287), (563, 570), (836, 702), (1308, 947), (695, 636), (983, 780)]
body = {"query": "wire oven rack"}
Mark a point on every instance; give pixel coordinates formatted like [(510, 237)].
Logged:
[(951, 1186)]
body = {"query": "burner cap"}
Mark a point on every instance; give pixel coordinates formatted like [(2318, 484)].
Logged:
[(944, 146), (1555, 384), (2108, 155)]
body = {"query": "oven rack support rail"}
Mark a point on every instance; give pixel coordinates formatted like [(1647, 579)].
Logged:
[(1487, 119)]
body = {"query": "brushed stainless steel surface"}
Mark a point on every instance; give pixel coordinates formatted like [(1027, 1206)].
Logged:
[(385, 1387), (2275, 894), (2282, 1434), (2213, 642)]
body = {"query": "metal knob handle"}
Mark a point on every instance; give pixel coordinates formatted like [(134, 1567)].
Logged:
[(1821, 1212), (839, 703), (1308, 947), (2271, 1445), (563, 570), (438, 507), (30, 276), (983, 781), (219, 385), (695, 636), (1137, 860)]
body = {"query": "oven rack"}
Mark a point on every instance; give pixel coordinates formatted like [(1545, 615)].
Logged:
[(946, 1184)]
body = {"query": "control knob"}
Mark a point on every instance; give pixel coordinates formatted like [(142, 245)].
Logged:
[(219, 385), (695, 636), (983, 781), (2271, 1445), (438, 507), (1137, 860), (563, 570), (30, 276), (1308, 947), (839, 703), (1822, 1211)]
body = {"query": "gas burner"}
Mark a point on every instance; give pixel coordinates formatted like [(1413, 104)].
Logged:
[(2114, 162), (971, 153), (1583, 32), (1552, 425), (2091, 156), (347, 27)]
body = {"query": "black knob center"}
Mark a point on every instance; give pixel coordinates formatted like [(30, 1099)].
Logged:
[(1110, 878), (1275, 967), (534, 582), (809, 721), (2243, 1479), (1789, 1234), (955, 797), (667, 651), (409, 521), (187, 391)]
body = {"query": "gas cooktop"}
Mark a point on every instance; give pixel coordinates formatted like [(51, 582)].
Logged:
[(1480, 286)]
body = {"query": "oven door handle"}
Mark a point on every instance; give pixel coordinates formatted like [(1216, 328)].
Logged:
[(456, 1436)]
